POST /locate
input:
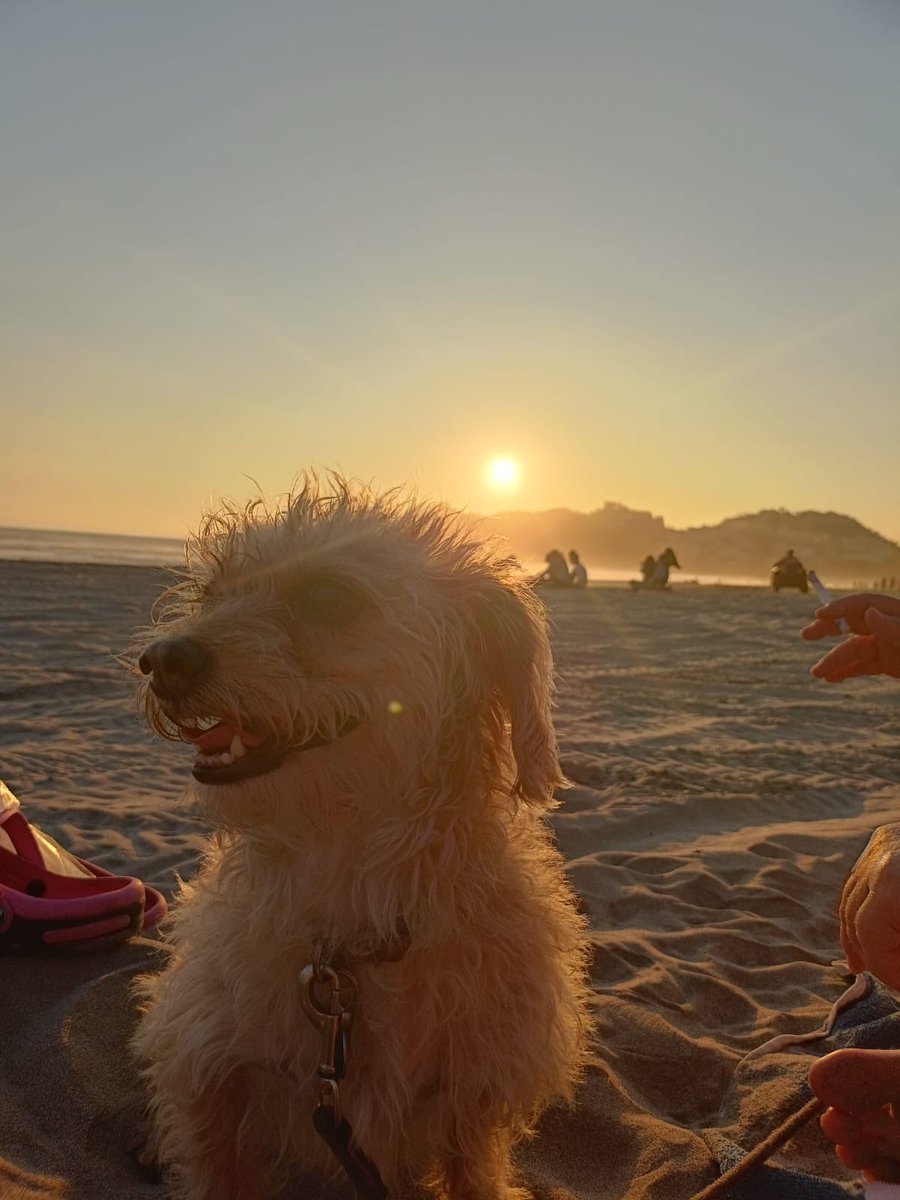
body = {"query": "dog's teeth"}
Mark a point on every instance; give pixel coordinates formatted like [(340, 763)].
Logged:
[(220, 759), (237, 748)]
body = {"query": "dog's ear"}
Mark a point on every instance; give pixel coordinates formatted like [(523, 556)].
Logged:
[(518, 671)]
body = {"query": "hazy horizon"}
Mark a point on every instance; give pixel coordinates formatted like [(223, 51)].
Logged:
[(637, 250), (176, 537)]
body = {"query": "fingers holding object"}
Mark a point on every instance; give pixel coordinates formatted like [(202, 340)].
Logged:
[(822, 626), (885, 627), (855, 610), (858, 1082), (868, 1141), (855, 656), (883, 1168)]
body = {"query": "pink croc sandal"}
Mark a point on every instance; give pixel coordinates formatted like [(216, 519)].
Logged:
[(52, 902)]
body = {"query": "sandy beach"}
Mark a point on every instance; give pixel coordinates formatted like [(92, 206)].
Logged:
[(719, 797)]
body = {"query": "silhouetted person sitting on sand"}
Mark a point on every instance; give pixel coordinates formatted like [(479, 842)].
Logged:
[(556, 573), (578, 574), (660, 576), (655, 571), (862, 1087)]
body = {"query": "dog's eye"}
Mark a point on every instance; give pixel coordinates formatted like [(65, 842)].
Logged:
[(325, 602)]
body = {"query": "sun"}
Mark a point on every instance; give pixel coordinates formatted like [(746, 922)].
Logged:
[(503, 472)]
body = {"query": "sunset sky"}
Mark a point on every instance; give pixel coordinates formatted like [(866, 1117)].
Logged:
[(648, 250)]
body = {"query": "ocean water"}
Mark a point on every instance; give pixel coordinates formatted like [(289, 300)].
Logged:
[(48, 545)]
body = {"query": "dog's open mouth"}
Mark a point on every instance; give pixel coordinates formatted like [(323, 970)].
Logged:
[(227, 753)]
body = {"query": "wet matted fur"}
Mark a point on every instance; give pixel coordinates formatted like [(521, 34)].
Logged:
[(369, 689)]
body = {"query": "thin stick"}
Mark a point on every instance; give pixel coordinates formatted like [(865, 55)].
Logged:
[(766, 1148)]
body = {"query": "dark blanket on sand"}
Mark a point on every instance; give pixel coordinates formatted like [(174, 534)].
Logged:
[(71, 1113)]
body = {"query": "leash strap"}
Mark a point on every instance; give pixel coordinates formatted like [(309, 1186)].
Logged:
[(338, 1136)]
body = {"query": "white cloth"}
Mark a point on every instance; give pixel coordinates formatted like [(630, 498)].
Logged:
[(8, 802), (53, 856)]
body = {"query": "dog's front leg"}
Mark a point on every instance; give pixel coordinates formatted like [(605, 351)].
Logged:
[(477, 1169), (205, 1140), (481, 1170)]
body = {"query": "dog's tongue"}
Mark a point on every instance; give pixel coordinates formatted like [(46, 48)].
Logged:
[(220, 737)]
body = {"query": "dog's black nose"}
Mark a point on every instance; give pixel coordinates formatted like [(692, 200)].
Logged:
[(177, 664)]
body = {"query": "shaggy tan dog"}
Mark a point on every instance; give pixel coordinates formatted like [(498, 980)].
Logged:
[(368, 692)]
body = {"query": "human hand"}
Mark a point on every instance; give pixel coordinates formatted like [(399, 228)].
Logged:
[(869, 908), (875, 650), (862, 1091)]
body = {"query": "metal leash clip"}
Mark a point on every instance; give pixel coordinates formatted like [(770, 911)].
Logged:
[(331, 1016)]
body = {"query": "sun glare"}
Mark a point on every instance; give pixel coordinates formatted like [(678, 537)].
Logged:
[(503, 472)]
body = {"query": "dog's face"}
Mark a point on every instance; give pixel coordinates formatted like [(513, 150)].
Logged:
[(350, 648)]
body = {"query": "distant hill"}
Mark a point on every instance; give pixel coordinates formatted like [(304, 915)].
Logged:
[(838, 547)]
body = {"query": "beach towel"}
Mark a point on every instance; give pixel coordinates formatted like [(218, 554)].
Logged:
[(766, 1090), (71, 1108)]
